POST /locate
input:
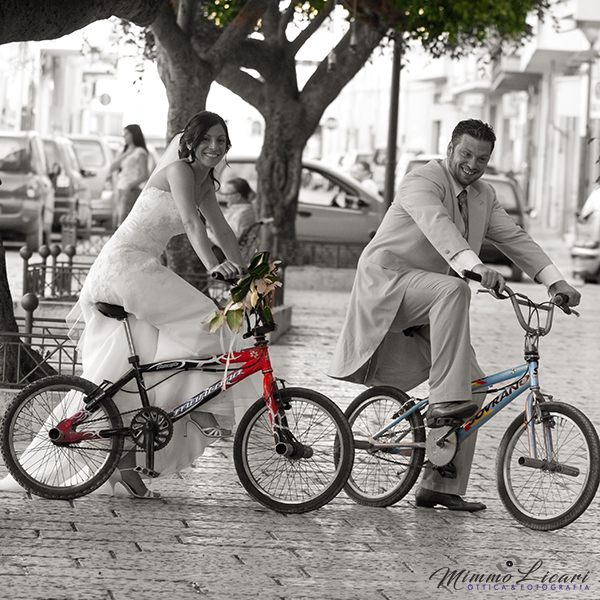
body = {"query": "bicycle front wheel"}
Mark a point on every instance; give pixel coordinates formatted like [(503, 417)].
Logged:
[(381, 477), (52, 469), (555, 489), (314, 472)]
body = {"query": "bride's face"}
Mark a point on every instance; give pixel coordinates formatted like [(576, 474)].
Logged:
[(212, 148)]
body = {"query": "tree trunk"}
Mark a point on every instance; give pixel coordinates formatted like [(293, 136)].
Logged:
[(279, 170)]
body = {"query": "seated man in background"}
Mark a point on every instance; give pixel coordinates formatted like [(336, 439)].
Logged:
[(239, 211)]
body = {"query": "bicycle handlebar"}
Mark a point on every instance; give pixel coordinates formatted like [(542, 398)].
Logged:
[(560, 300)]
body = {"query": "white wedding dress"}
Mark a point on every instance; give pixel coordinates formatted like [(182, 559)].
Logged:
[(168, 322)]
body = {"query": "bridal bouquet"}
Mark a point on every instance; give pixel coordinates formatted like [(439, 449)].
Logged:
[(252, 295)]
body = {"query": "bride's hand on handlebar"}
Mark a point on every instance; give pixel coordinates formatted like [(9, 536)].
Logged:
[(227, 270), (490, 279)]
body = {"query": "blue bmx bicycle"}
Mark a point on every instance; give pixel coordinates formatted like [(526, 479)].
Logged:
[(548, 461)]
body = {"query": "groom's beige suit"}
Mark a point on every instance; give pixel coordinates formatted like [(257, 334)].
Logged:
[(415, 253)]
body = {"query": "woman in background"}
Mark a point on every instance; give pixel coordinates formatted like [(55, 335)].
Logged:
[(132, 166)]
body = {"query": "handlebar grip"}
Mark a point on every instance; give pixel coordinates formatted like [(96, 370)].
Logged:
[(477, 277), (217, 276), (562, 301), (471, 275)]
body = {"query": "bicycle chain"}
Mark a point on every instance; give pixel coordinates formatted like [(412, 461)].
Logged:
[(134, 449)]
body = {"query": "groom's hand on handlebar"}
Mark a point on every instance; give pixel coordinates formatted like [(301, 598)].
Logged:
[(490, 279), (571, 297)]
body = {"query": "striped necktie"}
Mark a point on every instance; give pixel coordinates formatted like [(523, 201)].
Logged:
[(464, 212)]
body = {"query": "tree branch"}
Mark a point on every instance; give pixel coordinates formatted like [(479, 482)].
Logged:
[(236, 33), (324, 85), (171, 37), (185, 14), (312, 27), (22, 20), (244, 85)]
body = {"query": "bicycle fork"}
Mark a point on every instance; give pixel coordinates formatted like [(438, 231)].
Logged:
[(533, 415), (286, 443)]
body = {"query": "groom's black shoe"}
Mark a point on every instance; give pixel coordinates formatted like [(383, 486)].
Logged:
[(428, 499), (439, 414)]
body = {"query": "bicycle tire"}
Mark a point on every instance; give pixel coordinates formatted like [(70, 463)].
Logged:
[(52, 470), (295, 485), (541, 499), (383, 477)]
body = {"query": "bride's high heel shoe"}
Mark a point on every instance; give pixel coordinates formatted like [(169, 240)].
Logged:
[(211, 431), (118, 478)]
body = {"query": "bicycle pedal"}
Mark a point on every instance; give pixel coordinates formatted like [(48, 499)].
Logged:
[(146, 471), (443, 422)]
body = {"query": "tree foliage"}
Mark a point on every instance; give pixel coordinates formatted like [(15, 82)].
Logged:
[(457, 26)]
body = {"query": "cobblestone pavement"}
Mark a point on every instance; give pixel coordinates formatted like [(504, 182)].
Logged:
[(207, 539)]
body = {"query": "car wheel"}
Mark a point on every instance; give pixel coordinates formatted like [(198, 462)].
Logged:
[(515, 273)]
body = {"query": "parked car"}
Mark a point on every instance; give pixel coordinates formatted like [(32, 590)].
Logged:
[(95, 157), (509, 196), (585, 253), (72, 194), (26, 194), (332, 207)]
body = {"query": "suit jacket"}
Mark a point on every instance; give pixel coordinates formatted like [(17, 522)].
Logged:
[(420, 231)]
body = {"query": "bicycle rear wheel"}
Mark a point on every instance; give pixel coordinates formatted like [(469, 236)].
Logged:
[(310, 476), (557, 490), (381, 477), (50, 469)]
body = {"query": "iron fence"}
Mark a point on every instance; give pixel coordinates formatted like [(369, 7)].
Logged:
[(51, 278), (39, 348)]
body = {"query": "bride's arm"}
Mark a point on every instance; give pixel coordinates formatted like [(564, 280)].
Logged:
[(181, 182), (180, 178)]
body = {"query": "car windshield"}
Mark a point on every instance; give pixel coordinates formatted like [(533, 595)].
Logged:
[(14, 155), (89, 153)]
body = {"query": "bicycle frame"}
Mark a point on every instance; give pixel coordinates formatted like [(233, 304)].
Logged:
[(250, 361), (522, 376)]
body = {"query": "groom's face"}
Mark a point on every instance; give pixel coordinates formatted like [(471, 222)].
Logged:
[(468, 159)]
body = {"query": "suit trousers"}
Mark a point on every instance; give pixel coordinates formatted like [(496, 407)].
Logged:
[(439, 305)]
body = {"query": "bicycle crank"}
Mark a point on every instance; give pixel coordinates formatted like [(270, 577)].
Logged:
[(151, 424), (441, 445)]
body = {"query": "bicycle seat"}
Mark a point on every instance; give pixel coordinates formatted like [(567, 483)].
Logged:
[(113, 311)]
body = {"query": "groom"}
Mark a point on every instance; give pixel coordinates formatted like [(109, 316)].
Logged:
[(408, 318)]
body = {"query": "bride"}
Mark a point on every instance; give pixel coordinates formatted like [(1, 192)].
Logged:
[(167, 314)]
